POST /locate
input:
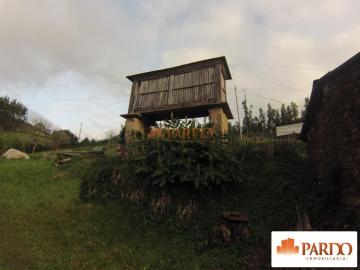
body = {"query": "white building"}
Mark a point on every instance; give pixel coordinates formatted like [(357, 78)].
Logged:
[(290, 129)]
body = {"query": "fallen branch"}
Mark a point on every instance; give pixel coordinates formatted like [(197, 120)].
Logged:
[(64, 157)]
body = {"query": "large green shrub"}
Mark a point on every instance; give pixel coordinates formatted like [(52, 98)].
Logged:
[(167, 162)]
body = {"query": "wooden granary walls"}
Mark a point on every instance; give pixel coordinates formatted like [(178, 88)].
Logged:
[(188, 91), (195, 84), (191, 88)]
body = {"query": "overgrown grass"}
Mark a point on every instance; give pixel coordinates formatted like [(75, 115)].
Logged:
[(44, 224), (276, 178)]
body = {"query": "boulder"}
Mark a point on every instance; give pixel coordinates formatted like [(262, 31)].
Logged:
[(15, 154)]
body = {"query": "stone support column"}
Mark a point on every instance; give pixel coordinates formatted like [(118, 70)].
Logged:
[(219, 120)]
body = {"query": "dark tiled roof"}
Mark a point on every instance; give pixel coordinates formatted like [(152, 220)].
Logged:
[(316, 93), (183, 68)]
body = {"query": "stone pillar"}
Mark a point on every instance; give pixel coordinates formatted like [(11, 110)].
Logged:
[(219, 120), (133, 127)]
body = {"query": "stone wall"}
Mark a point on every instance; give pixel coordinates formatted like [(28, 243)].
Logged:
[(334, 137), (219, 120), (133, 127)]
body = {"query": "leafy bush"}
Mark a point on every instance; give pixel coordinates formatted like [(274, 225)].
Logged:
[(201, 163), (266, 149), (285, 150), (101, 179)]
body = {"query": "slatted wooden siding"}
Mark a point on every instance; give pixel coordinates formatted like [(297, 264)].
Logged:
[(196, 87), (153, 94), (223, 87)]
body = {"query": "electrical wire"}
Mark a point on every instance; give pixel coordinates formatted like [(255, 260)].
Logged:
[(268, 80), (258, 95), (272, 89), (277, 66), (77, 110), (75, 99), (62, 85)]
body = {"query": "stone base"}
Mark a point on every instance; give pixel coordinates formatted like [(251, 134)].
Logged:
[(135, 127), (219, 120)]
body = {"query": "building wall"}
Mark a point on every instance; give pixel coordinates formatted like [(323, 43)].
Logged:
[(289, 129), (334, 138)]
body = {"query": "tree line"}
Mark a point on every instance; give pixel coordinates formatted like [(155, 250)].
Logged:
[(13, 118), (266, 120), (13, 114)]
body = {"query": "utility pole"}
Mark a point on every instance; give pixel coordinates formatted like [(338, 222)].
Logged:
[(238, 113), (80, 131)]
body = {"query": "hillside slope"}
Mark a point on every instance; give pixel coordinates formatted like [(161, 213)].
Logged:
[(44, 225)]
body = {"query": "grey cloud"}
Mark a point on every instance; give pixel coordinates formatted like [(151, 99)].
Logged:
[(106, 40)]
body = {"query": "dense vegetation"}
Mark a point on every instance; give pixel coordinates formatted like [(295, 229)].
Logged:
[(32, 141), (266, 120), (12, 114), (16, 132), (163, 162), (121, 224), (269, 169), (155, 205)]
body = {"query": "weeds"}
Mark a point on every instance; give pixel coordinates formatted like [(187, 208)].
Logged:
[(187, 212), (160, 205)]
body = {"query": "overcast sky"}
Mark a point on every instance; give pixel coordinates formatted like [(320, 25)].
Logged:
[(67, 59)]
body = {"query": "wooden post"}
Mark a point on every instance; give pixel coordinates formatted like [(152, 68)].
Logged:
[(34, 146), (171, 86), (133, 97), (218, 83), (80, 131), (238, 113)]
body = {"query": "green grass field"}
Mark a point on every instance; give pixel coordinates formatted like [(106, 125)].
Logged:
[(44, 225)]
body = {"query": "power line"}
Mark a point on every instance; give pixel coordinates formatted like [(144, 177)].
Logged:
[(85, 109), (127, 82), (275, 89), (261, 96), (267, 79), (61, 85), (238, 113), (81, 125), (277, 66), (85, 98), (118, 102), (125, 96), (264, 97)]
